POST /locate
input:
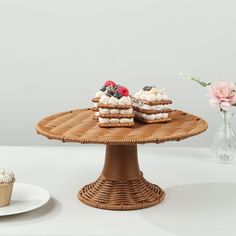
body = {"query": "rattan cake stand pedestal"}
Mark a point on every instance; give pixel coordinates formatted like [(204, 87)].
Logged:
[(121, 185)]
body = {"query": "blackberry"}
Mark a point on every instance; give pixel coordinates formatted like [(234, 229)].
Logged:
[(147, 88), (103, 88)]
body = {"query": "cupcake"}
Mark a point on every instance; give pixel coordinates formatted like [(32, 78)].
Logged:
[(107, 85), (7, 180)]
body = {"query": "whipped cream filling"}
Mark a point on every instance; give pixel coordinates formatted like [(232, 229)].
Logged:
[(95, 104), (126, 120), (126, 111), (6, 176), (153, 95), (115, 111), (151, 117), (150, 107), (115, 101), (115, 120), (97, 113)]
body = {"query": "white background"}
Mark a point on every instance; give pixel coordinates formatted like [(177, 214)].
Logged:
[(55, 54)]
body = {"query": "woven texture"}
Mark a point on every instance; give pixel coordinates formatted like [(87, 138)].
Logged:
[(79, 126), (114, 195)]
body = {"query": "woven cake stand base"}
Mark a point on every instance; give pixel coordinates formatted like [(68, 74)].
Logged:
[(121, 185)]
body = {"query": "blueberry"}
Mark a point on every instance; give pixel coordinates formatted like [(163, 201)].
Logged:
[(117, 95)]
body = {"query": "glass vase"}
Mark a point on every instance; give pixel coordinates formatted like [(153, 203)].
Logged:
[(224, 142)]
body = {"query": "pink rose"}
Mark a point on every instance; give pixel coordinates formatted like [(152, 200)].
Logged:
[(223, 93)]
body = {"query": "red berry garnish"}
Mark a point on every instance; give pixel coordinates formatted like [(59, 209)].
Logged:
[(110, 83), (123, 91)]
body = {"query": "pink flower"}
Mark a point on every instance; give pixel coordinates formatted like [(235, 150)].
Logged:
[(223, 94)]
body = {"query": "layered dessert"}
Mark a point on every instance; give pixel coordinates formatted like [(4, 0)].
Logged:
[(7, 180), (108, 84), (115, 108), (151, 105)]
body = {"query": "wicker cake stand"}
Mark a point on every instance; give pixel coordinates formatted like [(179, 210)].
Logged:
[(121, 185)]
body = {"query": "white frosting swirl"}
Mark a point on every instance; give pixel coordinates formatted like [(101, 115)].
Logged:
[(154, 90), (113, 101), (99, 94), (6, 176), (125, 100), (104, 99), (152, 95)]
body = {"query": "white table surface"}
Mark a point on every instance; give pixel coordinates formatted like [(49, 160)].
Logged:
[(201, 194)]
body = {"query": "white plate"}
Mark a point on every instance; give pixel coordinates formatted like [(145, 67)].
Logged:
[(25, 197)]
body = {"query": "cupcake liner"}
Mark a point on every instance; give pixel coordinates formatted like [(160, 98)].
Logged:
[(5, 193)]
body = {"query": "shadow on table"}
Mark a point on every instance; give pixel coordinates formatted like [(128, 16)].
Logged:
[(49, 210), (196, 209)]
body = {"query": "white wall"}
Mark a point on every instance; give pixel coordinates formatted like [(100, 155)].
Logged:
[(55, 54)]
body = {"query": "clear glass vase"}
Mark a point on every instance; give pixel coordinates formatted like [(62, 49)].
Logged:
[(224, 142)]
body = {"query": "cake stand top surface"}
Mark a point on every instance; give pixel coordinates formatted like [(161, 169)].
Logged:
[(79, 126)]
